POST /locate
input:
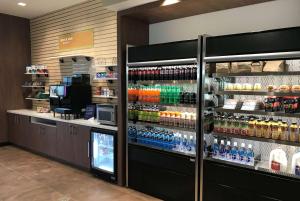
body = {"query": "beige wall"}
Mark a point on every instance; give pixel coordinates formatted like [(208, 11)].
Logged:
[(45, 32)]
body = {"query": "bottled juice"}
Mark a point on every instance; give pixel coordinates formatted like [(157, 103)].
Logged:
[(275, 130), (267, 129), (177, 119), (237, 128), (258, 127), (182, 118), (251, 127), (162, 117), (284, 131), (293, 132)]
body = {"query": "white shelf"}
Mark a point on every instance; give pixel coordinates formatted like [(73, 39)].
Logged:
[(105, 65), (105, 79), (24, 86), (36, 73), (37, 99), (108, 97)]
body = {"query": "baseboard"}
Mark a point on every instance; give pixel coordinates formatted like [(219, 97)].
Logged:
[(2, 144)]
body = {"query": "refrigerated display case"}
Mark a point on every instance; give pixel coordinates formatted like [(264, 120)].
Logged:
[(253, 79), (103, 149), (162, 119)]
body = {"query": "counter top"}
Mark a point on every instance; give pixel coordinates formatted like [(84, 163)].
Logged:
[(49, 116)]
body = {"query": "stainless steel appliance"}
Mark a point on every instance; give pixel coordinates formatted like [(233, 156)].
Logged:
[(107, 114)]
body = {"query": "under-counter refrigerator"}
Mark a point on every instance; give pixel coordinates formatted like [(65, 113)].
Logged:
[(103, 149)]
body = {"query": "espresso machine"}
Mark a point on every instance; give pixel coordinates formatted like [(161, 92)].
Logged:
[(71, 96)]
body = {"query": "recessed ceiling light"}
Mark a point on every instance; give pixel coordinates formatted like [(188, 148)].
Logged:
[(170, 2), (22, 4)]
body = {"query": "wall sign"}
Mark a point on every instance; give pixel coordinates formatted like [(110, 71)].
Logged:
[(77, 40)]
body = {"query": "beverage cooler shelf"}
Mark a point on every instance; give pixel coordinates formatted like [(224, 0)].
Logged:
[(150, 124), (161, 149), (260, 166), (259, 112), (162, 81), (258, 93), (261, 139), (164, 104), (219, 75)]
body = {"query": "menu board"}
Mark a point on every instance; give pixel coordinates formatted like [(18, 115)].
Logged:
[(77, 40)]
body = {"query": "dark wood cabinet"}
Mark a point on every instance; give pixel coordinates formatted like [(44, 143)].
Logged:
[(18, 129), (72, 144), (81, 139)]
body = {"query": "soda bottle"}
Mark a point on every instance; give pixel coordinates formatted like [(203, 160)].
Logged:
[(228, 150), (222, 149)]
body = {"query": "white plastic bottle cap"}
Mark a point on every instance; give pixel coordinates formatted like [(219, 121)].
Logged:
[(228, 143), (215, 140), (191, 137), (185, 136), (250, 146), (235, 144), (222, 142), (243, 145)]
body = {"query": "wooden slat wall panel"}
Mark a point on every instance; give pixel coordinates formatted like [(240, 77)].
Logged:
[(45, 32)]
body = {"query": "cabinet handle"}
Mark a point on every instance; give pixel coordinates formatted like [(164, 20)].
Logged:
[(88, 149)]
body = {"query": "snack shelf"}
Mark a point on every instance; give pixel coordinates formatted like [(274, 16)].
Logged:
[(245, 137), (219, 75), (259, 112), (151, 124), (36, 73), (258, 93), (162, 149), (37, 99), (105, 79), (24, 86), (109, 97)]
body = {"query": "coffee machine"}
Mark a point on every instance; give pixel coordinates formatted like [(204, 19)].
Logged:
[(72, 96)]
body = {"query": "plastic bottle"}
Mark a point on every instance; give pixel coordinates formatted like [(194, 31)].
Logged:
[(242, 153), (216, 148), (234, 151), (296, 164), (222, 149), (185, 143), (250, 155), (192, 145), (228, 150)]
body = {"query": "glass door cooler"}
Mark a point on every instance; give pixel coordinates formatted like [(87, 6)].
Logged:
[(103, 149), (255, 121)]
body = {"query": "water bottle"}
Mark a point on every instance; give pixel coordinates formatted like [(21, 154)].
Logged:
[(216, 148), (228, 150), (250, 154), (222, 149), (205, 148), (242, 153), (234, 151), (192, 145), (184, 143)]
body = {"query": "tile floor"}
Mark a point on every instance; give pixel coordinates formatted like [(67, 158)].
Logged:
[(28, 177)]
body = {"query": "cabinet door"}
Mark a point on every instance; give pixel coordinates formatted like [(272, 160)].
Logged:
[(64, 147), (81, 136), (23, 130), (49, 140), (12, 134)]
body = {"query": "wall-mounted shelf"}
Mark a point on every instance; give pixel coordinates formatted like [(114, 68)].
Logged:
[(105, 79), (259, 93), (257, 139), (105, 65), (108, 97), (24, 86), (37, 99), (162, 126), (218, 75), (36, 73), (259, 112)]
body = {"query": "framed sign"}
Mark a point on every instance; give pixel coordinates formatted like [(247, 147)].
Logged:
[(76, 40)]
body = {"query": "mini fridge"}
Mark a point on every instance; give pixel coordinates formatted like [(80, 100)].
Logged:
[(103, 151)]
